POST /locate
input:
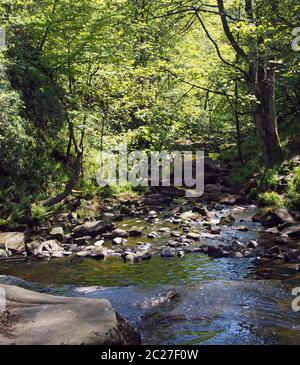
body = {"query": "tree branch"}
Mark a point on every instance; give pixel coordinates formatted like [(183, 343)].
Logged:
[(222, 93), (239, 51), (218, 49)]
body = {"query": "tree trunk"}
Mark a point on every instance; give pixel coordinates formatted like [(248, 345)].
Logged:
[(76, 170), (69, 187), (238, 125), (262, 85)]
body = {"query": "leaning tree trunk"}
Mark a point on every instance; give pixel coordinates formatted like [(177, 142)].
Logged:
[(262, 84), (69, 187), (77, 169)]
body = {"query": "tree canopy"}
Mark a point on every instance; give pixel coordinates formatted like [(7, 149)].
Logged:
[(78, 76)]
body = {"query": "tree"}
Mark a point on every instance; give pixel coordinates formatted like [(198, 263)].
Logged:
[(260, 78)]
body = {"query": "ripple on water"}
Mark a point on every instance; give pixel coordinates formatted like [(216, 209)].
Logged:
[(190, 300)]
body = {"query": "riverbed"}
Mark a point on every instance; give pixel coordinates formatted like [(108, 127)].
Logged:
[(182, 300)]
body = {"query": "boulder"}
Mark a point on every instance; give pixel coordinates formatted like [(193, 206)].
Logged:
[(272, 231), (189, 216), (119, 241), (198, 208), (229, 199), (42, 319), (12, 241), (99, 243), (215, 230), (253, 244), (119, 233), (81, 241), (194, 236), (146, 256), (174, 244), (57, 233), (131, 257), (229, 219), (275, 250), (242, 229), (97, 253), (237, 255), (168, 252), (238, 246), (3, 254), (152, 216), (273, 217), (172, 191), (92, 229), (216, 252), (292, 231), (152, 235), (127, 211), (135, 232), (50, 248)]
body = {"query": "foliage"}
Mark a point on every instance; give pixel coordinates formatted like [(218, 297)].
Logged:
[(271, 199), (39, 212), (80, 77)]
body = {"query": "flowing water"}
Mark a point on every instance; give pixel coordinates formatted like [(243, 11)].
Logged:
[(189, 300)]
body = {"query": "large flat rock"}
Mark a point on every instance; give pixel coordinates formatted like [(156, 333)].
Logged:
[(42, 319)]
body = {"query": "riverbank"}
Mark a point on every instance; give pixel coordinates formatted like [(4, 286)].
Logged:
[(148, 254)]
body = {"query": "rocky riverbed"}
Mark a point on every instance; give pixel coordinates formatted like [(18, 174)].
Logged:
[(147, 260), (135, 230), (147, 255)]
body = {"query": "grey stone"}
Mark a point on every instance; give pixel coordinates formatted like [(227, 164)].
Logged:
[(164, 230), (189, 216), (239, 246), (99, 243), (119, 233), (51, 247), (292, 231), (273, 217), (193, 236), (3, 254), (229, 219), (216, 252), (119, 241), (168, 252), (135, 232), (252, 244), (57, 233), (92, 229), (152, 235), (12, 241), (242, 229), (49, 320)]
